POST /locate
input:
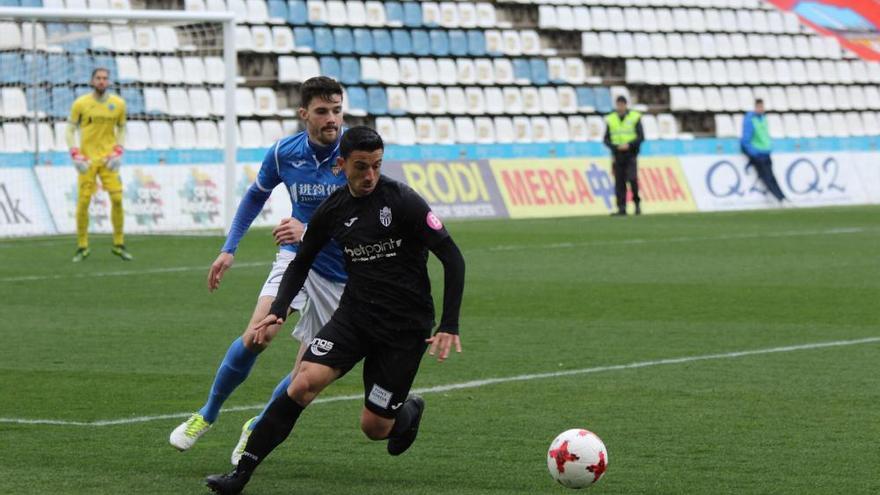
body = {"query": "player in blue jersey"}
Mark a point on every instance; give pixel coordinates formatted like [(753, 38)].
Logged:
[(306, 164)]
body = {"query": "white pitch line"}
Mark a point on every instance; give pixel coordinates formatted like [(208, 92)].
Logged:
[(474, 383), (122, 273), (725, 237), (512, 247)]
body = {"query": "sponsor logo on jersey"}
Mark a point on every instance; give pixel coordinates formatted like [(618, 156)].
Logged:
[(351, 221), (299, 163), (380, 396), (320, 347), (395, 407), (369, 252), (385, 216), (433, 221)]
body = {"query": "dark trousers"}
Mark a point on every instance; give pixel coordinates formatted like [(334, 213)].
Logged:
[(625, 168), (764, 167)]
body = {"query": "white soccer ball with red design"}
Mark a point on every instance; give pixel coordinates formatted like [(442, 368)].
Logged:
[(577, 458)]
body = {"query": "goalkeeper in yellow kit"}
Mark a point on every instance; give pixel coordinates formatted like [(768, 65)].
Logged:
[(100, 117)]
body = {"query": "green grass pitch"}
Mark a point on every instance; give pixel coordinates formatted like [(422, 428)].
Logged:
[(107, 340)]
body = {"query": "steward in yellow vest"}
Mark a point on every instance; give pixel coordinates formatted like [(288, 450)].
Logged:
[(624, 136)]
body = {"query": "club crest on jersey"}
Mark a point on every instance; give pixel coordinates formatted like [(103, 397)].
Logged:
[(385, 216), (111, 107)]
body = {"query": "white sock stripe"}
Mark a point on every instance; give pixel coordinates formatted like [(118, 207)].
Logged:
[(474, 383)]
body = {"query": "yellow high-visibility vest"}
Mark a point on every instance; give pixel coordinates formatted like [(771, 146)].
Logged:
[(623, 131)]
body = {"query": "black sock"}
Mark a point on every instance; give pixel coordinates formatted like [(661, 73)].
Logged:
[(273, 428), (404, 419)]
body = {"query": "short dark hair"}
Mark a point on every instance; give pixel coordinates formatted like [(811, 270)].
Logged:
[(318, 87), (99, 69), (360, 138), (759, 101), (621, 99)]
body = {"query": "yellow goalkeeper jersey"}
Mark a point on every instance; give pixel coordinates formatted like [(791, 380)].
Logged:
[(98, 120)]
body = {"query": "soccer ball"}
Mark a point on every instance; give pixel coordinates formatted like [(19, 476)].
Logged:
[(577, 458)]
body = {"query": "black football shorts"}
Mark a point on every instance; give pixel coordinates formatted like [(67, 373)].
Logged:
[(391, 360)]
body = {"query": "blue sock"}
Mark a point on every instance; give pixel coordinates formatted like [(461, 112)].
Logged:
[(232, 372), (281, 388)]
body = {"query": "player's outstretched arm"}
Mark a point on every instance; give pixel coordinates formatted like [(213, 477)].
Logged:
[(447, 336)]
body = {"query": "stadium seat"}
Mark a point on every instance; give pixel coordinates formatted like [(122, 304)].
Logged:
[(16, 137), (317, 12), (244, 102), (466, 72), (444, 130), (277, 11), (349, 70), (324, 41), (436, 100), (513, 102), (467, 15), (555, 70), (261, 39), (485, 71), (522, 127), (272, 131), (412, 14), (504, 130), (494, 100), (449, 17), (155, 102), (531, 101), (417, 100), (586, 99), (724, 127), (575, 71), (382, 44), (401, 43), (494, 43), (184, 134), (446, 71), (207, 135), (330, 67), (602, 99), (172, 70), (439, 43), (215, 70), (161, 136), (428, 71), (540, 72), (405, 131), (309, 67), (522, 71), (426, 132), (541, 132), (193, 71), (392, 14), (456, 102), (357, 101), (409, 71), (421, 42), (484, 130), (200, 102), (840, 125), (377, 101), (288, 70), (807, 125), (251, 134), (389, 71), (218, 101), (577, 128), (178, 102), (265, 102), (824, 125), (465, 132), (397, 104), (668, 126), (63, 97), (357, 14), (337, 14), (385, 127), (127, 69), (458, 43), (841, 98), (548, 100), (871, 123), (475, 101), (650, 127), (297, 13)]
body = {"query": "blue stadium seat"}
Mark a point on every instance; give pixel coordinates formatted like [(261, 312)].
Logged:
[(62, 99), (458, 44), (401, 42), (603, 100), (421, 42), (477, 43), (363, 41), (38, 96), (330, 68), (32, 3), (522, 69), (55, 29), (10, 68), (9, 3), (381, 42), (377, 101), (106, 61), (134, 100), (412, 14), (357, 98), (323, 40), (439, 43), (585, 97), (393, 13), (278, 9), (82, 67), (303, 37), (80, 45), (540, 74), (35, 68), (350, 71), (61, 68), (297, 13), (343, 41)]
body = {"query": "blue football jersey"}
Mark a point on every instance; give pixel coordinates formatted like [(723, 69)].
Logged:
[(293, 162)]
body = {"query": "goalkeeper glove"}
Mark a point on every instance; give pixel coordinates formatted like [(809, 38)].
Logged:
[(79, 160), (114, 159)]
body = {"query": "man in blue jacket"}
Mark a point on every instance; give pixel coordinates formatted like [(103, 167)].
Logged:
[(756, 144)]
